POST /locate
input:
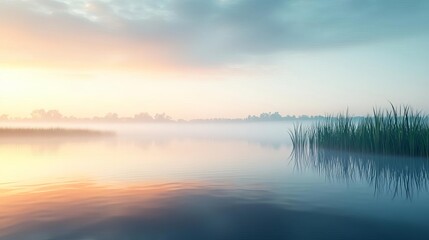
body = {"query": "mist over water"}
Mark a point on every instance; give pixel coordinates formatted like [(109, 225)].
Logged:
[(202, 181)]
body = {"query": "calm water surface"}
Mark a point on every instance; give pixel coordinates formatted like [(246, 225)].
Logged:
[(205, 181)]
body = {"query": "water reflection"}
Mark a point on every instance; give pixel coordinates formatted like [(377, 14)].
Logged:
[(397, 176), (187, 182), (138, 154), (270, 135), (48, 145), (263, 134), (192, 210)]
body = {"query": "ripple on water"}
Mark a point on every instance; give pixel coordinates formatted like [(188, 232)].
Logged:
[(173, 210)]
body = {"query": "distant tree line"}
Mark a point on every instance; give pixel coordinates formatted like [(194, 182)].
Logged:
[(277, 117), (55, 116)]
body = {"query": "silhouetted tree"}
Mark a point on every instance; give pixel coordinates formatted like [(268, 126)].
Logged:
[(42, 115), (144, 117), (162, 117), (111, 116)]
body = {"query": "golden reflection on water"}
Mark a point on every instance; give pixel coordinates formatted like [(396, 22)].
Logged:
[(50, 179), (68, 201), (36, 161), (60, 188)]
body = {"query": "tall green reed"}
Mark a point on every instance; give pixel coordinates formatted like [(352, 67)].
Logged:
[(395, 131)]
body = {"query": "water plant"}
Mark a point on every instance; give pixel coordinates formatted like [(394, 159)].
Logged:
[(395, 131), (51, 132)]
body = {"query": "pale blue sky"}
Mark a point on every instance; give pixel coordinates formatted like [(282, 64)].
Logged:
[(213, 58)]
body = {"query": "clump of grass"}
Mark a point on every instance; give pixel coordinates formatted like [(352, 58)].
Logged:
[(396, 131), (50, 132)]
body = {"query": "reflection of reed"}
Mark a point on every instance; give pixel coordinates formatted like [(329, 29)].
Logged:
[(398, 176)]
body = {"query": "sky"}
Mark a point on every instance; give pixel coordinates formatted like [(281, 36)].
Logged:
[(212, 58)]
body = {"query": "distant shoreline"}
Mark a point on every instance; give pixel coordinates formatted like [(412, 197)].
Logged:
[(131, 121), (42, 115), (51, 132)]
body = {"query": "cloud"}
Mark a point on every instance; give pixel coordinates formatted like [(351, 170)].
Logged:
[(154, 33)]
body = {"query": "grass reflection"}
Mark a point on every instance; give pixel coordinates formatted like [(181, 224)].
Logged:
[(397, 176)]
